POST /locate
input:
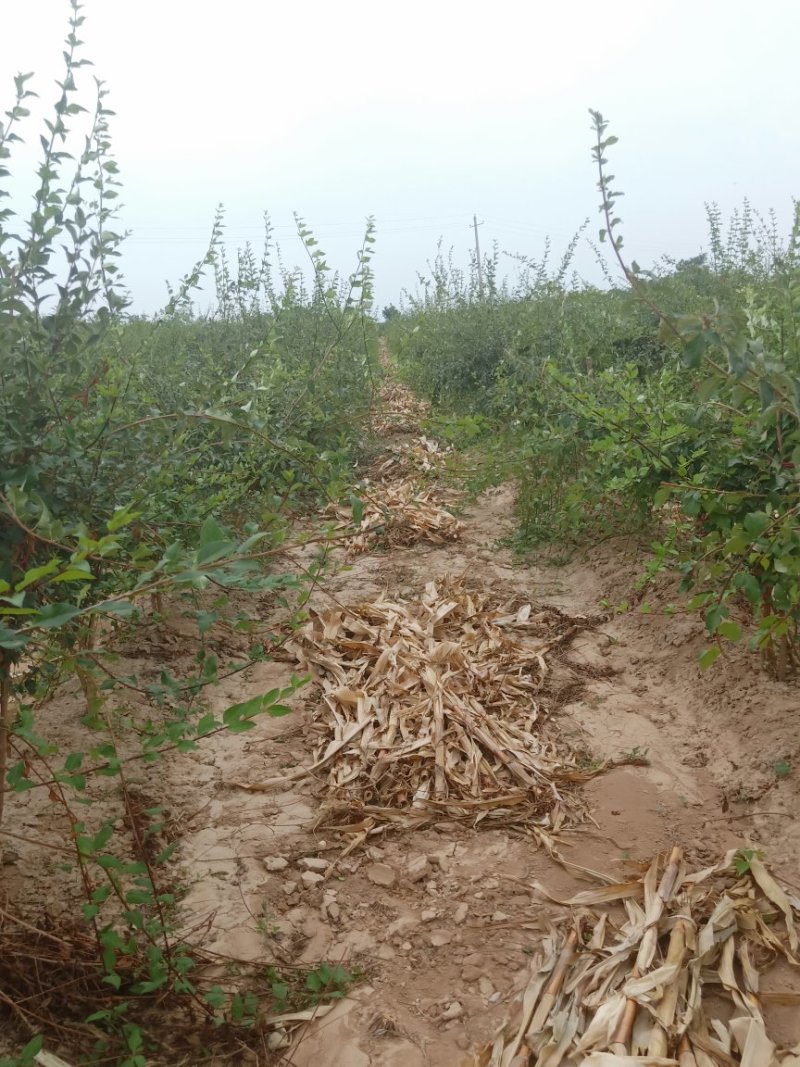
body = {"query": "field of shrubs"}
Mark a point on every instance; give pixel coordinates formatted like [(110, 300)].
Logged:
[(149, 462)]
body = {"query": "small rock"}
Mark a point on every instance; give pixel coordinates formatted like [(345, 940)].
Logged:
[(310, 879), (498, 917), (472, 974), (289, 888), (406, 946), (453, 1011), (491, 883), (375, 853), (417, 869), (463, 1042), (314, 863), (405, 922), (386, 952), (276, 863), (278, 1039), (428, 915), (381, 874), (493, 999), (485, 985), (334, 911), (460, 913), (358, 941), (475, 959), (440, 937)]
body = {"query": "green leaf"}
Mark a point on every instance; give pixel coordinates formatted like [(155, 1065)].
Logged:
[(205, 620), (358, 510), (756, 523), (749, 585), (215, 542), (75, 574), (16, 777), (54, 615), (694, 351), (206, 724), (214, 550), (16, 599), (138, 896), (709, 656), (714, 617), (730, 630), (216, 998), (662, 496), (123, 608), (241, 727), (11, 640), (121, 517), (37, 573), (245, 710), (743, 859), (33, 1047)]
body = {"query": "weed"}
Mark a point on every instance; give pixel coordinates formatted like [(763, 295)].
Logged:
[(635, 757), (743, 859)]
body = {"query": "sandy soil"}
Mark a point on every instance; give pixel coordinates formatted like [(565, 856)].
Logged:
[(442, 921)]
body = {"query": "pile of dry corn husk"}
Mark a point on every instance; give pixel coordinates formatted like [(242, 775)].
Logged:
[(436, 707), (675, 983), (395, 509), (421, 454), (398, 513), (401, 410)]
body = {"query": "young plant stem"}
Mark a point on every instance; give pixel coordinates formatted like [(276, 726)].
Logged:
[(5, 729)]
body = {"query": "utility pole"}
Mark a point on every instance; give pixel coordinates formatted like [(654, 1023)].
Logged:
[(478, 262)]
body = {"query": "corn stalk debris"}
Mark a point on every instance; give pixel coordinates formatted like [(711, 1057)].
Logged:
[(674, 979), (438, 709)]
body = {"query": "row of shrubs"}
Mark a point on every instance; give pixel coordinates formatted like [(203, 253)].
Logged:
[(674, 386)]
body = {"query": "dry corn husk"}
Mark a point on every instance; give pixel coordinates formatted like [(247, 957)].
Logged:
[(400, 513), (675, 983), (401, 410), (435, 709), (401, 503)]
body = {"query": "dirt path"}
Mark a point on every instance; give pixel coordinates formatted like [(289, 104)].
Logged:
[(442, 921)]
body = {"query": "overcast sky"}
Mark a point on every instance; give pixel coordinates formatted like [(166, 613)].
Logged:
[(421, 113)]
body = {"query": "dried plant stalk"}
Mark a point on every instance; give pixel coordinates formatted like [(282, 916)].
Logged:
[(647, 993), (433, 708)]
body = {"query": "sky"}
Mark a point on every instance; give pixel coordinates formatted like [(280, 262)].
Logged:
[(422, 114)]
